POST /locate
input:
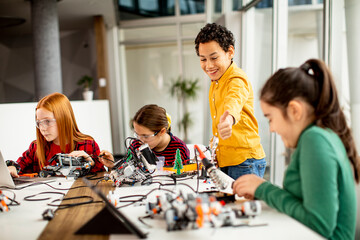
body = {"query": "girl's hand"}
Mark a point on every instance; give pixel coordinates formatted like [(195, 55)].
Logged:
[(246, 185), (106, 158), (84, 155), (13, 171)]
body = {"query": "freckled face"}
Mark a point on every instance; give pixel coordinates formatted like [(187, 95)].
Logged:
[(49, 132), (214, 61)]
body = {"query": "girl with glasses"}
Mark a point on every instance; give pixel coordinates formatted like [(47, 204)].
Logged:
[(302, 106), (152, 125), (56, 132)]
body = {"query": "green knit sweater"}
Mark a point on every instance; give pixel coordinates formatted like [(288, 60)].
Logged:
[(319, 187)]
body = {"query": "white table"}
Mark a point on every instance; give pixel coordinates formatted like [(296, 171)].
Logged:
[(279, 226), (25, 221)]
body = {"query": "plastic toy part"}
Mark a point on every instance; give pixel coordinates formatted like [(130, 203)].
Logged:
[(251, 208), (135, 167), (66, 166), (3, 206), (222, 181), (214, 144), (48, 214), (197, 210)]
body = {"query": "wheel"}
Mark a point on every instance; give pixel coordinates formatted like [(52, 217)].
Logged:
[(76, 174), (43, 174)]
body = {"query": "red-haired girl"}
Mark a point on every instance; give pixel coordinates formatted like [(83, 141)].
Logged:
[(56, 132)]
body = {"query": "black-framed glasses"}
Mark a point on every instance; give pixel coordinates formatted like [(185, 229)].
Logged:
[(145, 137), (45, 123)]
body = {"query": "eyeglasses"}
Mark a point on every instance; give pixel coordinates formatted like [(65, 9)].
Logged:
[(45, 123), (145, 137)]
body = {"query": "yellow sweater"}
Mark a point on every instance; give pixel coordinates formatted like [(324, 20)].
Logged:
[(233, 92)]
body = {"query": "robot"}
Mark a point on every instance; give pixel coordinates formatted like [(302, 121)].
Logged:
[(178, 210), (137, 166), (251, 208), (222, 181), (196, 210), (66, 166)]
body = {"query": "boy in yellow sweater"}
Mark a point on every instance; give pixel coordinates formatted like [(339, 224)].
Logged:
[(231, 100)]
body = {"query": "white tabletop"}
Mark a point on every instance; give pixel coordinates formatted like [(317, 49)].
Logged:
[(25, 221), (278, 226)]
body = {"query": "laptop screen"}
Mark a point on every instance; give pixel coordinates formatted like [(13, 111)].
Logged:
[(116, 212), (5, 177)]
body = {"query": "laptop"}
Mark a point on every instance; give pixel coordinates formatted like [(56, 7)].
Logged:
[(111, 220), (5, 177)]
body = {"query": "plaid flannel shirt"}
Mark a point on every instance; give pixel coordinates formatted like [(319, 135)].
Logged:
[(29, 162)]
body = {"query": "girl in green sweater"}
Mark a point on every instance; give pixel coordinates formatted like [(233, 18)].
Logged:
[(302, 106)]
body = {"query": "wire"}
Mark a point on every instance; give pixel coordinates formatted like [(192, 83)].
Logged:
[(140, 197), (131, 202), (183, 177), (45, 183), (37, 183), (131, 138), (143, 222), (163, 189), (62, 206), (167, 184), (30, 197), (145, 181), (197, 170), (93, 177), (188, 186), (13, 202)]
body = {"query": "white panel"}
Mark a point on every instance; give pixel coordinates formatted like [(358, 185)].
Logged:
[(17, 125), (280, 57)]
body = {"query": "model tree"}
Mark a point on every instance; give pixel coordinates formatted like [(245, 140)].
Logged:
[(178, 162)]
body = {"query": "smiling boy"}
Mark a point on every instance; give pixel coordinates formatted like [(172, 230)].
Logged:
[(231, 100)]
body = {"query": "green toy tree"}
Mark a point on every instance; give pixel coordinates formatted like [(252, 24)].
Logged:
[(178, 162)]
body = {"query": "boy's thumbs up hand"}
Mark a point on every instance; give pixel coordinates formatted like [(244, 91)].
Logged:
[(225, 125)]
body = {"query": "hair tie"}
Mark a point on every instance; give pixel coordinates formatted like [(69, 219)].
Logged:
[(306, 67), (168, 117)]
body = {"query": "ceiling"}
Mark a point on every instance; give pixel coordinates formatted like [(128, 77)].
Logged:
[(72, 14)]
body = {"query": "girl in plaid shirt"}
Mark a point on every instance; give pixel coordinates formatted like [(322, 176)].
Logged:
[(56, 132), (152, 125)]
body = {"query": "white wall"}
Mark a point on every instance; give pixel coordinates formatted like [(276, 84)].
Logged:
[(150, 70), (17, 125)]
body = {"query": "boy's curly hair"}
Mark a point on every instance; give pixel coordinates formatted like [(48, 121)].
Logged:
[(215, 32)]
